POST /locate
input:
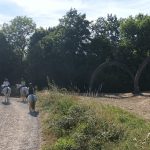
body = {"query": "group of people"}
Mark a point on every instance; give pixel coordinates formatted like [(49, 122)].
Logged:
[(30, 95), (6, 83)]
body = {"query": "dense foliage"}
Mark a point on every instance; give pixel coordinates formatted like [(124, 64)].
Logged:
[(71, 53)]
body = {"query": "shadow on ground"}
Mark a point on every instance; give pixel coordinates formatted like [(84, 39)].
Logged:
[(23, 102), (34, 114), (6, 103)]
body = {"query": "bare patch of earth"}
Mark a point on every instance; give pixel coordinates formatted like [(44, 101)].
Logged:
[(18, 129), (139, 104)]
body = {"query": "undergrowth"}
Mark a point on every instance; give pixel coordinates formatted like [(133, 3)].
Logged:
[(71, 124)]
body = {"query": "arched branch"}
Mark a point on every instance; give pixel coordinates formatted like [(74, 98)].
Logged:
[(138, 74), (106, 64)]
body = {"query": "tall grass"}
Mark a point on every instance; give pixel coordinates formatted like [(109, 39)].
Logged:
[(71, 124)]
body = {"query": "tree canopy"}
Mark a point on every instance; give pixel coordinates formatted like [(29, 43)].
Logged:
[(113, 51), (18, 33)]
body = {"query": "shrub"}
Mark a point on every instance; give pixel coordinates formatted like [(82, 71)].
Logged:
[(65, 144), (76, 112), (63, 106)]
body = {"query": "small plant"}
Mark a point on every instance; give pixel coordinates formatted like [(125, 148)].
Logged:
[(63, 105), (65, 144)]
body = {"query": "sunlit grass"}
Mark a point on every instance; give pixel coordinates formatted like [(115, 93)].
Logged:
[(68, 123)]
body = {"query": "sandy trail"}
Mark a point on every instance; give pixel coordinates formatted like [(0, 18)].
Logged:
[(18, 129), (139, 105)]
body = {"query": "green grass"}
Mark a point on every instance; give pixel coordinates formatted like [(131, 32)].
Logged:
[(71, 124)]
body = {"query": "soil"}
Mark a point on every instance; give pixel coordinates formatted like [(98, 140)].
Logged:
[(138, 104), (19, 130)]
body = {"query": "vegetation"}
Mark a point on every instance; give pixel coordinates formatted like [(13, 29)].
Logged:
[(108, 55), (18, 34), (71, 124)]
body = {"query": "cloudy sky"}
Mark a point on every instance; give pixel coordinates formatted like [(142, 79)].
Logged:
[(46, 13)]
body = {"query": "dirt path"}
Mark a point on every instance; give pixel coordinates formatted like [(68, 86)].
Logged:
[(18, 129), (139, 105)]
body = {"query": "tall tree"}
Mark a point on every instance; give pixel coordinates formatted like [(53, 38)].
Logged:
[(36, 57), (107, 28), (18, 33), (135, 33), (75, 37), (75, 32), (8, 60), (62, 50)]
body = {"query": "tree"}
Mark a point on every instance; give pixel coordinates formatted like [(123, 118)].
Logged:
[(102, 66), (18, 33), (129, 48), (75, 29), (135, 31), (62, 50), (106, 37), (107, 28), (76, 32), (36, 57), (8, 60), (105, 42)]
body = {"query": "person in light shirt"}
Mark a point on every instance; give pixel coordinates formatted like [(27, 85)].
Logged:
[(6, 83), (23, 83)]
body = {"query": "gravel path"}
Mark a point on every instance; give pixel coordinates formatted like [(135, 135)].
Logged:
[(18, 129)]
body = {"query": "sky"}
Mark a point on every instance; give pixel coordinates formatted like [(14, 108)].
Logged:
[(46, 13)]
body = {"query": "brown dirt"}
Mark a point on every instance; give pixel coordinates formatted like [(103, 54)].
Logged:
[(140, 105), (18, 129)]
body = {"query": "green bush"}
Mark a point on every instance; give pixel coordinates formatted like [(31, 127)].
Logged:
[(63, 106), (82, 128), (65, 144), (79, 126), (63, 125), (77, 113), (95, 144), (80, 139)]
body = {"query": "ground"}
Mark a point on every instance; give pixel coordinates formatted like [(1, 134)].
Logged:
[(19, 130), (138, 104)]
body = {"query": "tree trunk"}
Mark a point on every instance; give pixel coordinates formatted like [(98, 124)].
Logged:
[(138, 74)]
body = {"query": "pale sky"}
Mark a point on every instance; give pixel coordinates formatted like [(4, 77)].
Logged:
[(46, 13)]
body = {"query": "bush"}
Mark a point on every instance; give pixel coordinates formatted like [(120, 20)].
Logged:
[(77, 112), (77, 127), (65, 144), (63, 106)]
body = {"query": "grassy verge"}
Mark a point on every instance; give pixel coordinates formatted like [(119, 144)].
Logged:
[(71, 124)]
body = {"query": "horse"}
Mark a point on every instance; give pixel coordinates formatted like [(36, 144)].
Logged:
[(23, 91), (6, 91), (32, 101)]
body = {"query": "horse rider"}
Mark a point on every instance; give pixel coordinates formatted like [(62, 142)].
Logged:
[(5, 83), (23, 83), (31, 89)]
